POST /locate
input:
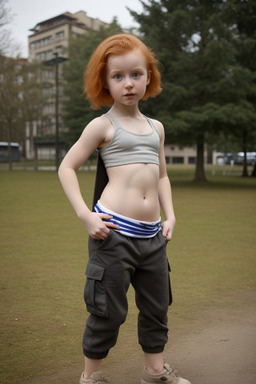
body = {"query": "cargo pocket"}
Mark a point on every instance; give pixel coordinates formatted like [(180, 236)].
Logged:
[(94, 291)]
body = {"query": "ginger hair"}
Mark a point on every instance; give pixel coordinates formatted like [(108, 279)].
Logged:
[(95, 74)]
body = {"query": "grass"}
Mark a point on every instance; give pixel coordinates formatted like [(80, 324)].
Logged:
[(43, 249)]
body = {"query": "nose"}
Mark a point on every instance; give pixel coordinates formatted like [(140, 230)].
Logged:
[(128, 82)]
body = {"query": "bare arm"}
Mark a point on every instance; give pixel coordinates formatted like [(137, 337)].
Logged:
[(92, 137), (165, 191), (165, 198)]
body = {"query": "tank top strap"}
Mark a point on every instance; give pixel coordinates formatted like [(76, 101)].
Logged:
[(117, 125), (152, 125), (113, 120)]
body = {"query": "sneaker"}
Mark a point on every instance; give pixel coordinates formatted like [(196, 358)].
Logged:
[(95, 378), (167, 376)]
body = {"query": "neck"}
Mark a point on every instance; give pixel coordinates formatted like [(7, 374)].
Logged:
[(125, 111)]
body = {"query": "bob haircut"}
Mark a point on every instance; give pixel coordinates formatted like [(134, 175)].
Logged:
[(95, 74)]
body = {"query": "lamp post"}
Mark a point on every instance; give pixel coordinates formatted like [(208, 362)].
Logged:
[(55, 61), (57, 110)]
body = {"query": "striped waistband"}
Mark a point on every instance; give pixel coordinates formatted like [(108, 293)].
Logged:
[(130, 227)]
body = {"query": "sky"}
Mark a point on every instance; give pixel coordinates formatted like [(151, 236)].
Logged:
[(27, 13)]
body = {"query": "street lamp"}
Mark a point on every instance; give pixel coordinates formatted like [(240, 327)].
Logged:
[(55, 61)]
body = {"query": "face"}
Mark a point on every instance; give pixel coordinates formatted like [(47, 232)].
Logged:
[(127, 77)]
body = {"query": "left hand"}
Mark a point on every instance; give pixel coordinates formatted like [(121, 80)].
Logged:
[(168, 228)]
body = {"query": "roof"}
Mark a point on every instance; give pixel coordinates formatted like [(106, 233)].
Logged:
[(54, 21), (18, 60)]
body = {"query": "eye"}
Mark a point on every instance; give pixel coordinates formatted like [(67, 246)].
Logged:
[(136, 75), (117, 76)]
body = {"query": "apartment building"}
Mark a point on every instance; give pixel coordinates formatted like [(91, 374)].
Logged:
[(49, 42), (54, 35)]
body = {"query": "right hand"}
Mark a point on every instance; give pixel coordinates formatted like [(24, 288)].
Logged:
[(96, 226)]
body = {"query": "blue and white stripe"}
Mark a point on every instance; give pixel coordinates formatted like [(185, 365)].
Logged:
[(130, 227)]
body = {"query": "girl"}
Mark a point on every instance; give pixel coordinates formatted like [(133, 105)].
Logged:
[(127, 241)]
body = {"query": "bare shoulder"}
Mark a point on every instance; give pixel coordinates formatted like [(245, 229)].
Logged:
[(98, 125), (97, 129)]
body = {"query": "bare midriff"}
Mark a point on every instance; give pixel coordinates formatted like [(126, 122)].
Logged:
[(132, 191)]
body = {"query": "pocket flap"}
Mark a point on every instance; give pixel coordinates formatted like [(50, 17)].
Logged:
[(94, 271)]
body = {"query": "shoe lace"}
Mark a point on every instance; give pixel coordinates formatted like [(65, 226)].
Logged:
[(170, 371), (102, 379)]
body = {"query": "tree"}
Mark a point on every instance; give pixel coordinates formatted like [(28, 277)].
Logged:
[(193, 40), (21, 98), (7, 45), (10, 100), (77, 110), (4, 19), (33, 96), (240, 84)]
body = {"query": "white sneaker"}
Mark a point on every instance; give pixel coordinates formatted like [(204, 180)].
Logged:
[(95, 378), (167, 376)]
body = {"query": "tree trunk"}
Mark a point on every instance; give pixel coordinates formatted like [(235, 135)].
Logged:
[(200, 173), (254, 171), (9, 135), (245, 170)]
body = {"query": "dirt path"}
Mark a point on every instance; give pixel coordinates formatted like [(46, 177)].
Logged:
[(222, 349)]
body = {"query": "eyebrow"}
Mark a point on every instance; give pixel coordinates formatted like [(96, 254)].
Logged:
[(130, 70)]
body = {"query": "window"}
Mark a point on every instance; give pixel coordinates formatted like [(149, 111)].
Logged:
[(47, 74), (48, 91), (192, 160), (58, 49), (178, 160), (45, 55), (49, 109), (40, 43), (59, 35), (40, 56)]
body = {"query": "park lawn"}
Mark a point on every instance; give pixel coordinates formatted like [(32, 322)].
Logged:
[(44, 253)]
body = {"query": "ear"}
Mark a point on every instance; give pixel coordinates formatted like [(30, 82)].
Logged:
[(149, 77)]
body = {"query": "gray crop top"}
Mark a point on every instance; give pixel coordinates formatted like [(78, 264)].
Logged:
[(127, 147)]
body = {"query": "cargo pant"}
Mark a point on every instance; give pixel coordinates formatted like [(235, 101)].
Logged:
[(113, 265)]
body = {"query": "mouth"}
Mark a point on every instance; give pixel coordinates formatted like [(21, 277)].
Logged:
[(129, 94)]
